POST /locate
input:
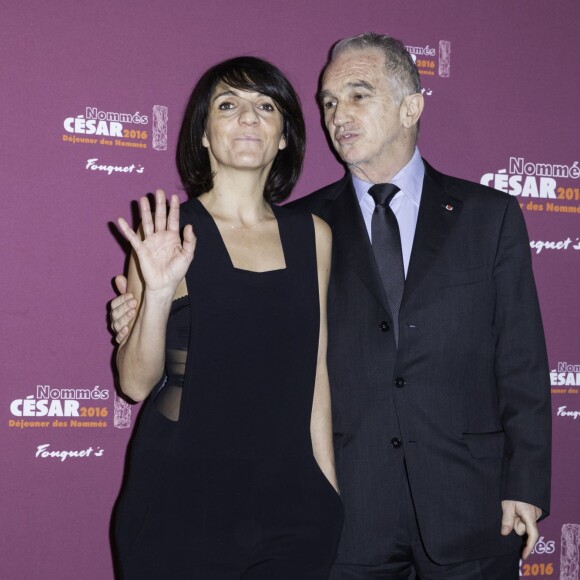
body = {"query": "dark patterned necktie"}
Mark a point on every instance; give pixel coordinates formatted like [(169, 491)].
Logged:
[(386, 241)]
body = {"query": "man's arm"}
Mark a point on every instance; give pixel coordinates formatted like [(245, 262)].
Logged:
[(523, 382)]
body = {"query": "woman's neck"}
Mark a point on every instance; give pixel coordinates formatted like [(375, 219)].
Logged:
[(237, 198)]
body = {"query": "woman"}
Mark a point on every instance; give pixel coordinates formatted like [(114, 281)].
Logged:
[(231, 471)]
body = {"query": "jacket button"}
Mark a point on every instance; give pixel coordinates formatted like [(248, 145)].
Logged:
[(399, 382), (384, 326), (395, 442)]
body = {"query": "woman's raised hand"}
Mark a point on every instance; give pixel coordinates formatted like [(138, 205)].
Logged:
[(163, 257)]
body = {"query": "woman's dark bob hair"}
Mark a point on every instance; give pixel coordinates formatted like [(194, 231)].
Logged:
[(245, 73)]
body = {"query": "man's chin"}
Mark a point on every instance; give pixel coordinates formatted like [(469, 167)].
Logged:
[(348, 156)]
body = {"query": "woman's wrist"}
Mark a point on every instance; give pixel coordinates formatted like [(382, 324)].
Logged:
[(159, 296)]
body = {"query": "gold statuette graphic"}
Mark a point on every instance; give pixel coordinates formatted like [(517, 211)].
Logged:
[(444, 58), (121, 413), (159, 138), (570, 552)]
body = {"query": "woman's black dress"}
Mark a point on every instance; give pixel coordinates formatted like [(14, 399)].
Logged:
[(221, 482)]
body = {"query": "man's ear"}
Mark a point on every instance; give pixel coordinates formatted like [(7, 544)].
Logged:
[(411, 109)]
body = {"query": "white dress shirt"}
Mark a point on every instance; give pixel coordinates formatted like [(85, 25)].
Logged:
[(405, 204)]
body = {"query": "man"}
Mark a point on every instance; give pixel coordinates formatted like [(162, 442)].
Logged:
[(436, 354)]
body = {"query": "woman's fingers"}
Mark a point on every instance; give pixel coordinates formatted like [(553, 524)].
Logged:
[(159, 222), (173, 218), (189, 240), (133, 238), (146, 216), (163, 256), (160, 211)]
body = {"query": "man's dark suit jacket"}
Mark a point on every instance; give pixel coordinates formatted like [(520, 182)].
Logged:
[(464, 403)]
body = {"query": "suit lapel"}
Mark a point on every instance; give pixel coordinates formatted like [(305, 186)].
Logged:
[(350, 238), (438, 213)]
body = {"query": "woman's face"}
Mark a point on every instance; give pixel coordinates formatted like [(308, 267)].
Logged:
[(244, 130)]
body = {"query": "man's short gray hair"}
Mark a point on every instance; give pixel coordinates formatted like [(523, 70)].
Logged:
[(399, 64)]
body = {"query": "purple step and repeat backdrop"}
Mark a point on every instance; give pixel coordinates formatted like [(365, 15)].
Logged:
[(92, 95)]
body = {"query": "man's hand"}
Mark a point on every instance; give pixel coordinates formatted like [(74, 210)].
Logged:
[(521, 518), (123, 310)]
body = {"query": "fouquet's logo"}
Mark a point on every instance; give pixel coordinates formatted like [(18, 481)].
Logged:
[(563, 411), (44, 451), (94, 165)]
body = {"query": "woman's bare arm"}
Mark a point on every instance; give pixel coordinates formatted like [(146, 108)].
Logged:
[(158, 265), (321, 420)]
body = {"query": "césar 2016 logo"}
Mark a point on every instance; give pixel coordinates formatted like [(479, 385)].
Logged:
[(109, 124), (530, 179), (541, 569), (50, 402), (565, 374), (543, 547)]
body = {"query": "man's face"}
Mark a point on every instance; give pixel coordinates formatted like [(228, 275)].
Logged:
[(362, 113)]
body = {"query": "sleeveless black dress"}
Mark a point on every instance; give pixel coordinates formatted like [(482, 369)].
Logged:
[(221, 481)]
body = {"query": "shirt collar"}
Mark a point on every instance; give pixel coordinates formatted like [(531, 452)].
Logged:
[(409, 180)]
